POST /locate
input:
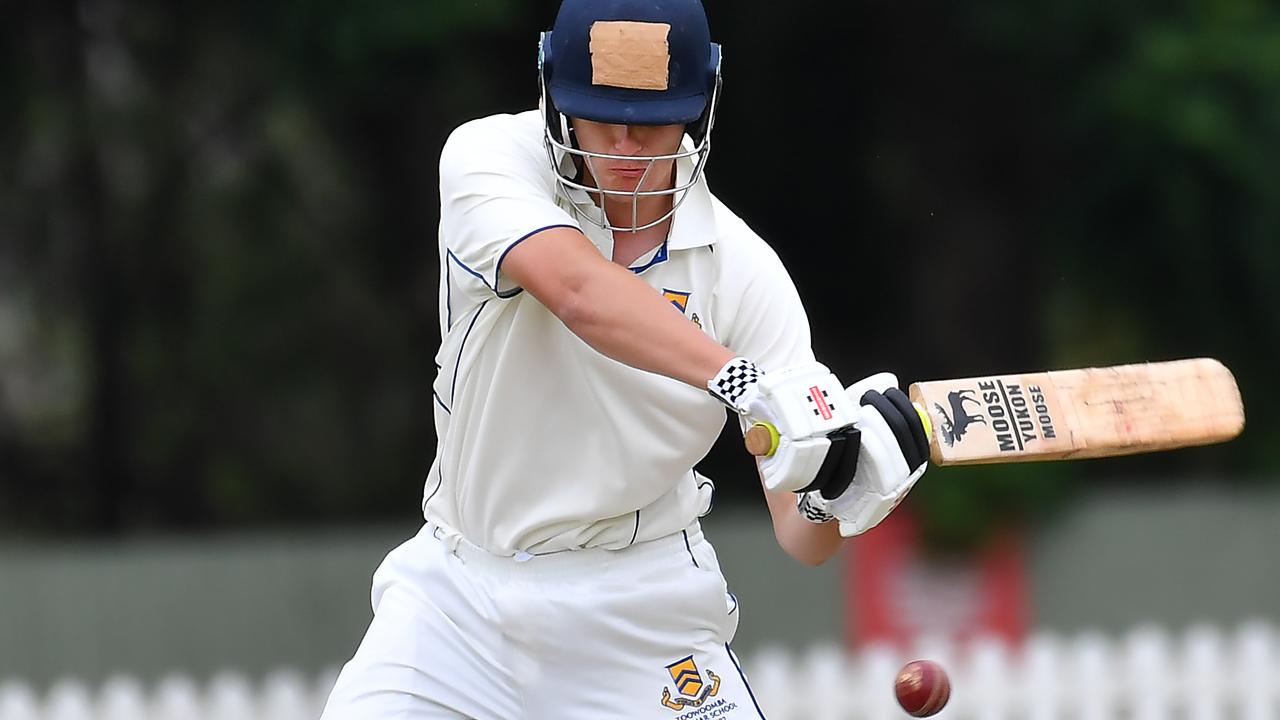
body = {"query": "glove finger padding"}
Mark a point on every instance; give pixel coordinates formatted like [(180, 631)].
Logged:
[(841, 465), (883, 477), (893, 454), (906, 427), (879, 382), (880, 473), (914, 423), (886, 384), (881, 464)]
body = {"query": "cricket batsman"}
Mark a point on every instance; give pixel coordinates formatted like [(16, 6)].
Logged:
[(599, 311)]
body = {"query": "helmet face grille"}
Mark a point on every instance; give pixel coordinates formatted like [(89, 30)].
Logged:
[(559, 143), (627, 62)]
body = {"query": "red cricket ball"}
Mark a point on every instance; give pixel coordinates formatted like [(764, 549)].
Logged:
[(922, 688)]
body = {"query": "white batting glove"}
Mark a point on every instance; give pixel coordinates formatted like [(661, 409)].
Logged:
[(893, 455), (806, 404)]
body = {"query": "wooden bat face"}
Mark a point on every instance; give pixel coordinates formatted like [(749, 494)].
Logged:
[(1091, 412)]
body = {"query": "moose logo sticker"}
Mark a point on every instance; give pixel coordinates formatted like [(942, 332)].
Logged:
[(954, 424), (992, 416)]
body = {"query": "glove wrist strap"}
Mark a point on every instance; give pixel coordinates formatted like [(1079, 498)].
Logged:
[(811, 509), (732, 384)]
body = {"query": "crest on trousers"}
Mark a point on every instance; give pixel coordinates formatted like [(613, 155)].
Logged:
[(692, 690)]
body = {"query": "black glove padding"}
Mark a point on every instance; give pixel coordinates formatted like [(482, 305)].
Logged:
[(908, 428), (896, 408)]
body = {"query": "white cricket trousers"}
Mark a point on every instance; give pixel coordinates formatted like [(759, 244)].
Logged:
[(579, 635)]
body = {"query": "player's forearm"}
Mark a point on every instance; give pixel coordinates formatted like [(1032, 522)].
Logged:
[(621, 316), (611, 309), (807, 542)]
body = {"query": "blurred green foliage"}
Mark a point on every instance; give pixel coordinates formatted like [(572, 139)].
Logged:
[(217, 230), (1158, 125)]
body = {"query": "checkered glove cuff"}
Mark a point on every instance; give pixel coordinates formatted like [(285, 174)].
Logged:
[(731, 384), (808, 507)]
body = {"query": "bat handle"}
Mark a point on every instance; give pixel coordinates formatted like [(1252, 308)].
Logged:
[(924, 420), (762, 438)]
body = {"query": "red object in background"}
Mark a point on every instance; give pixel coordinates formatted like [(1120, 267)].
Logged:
[(894, 592)]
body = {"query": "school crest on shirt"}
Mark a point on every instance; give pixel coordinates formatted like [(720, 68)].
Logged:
[(680, 299), (691, 690)]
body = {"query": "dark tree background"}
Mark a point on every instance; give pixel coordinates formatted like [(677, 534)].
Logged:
[(218, 245)]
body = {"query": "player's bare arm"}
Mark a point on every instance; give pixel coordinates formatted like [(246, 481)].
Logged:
[(611, 309), (622, 317), (602, 302), (806, 542)]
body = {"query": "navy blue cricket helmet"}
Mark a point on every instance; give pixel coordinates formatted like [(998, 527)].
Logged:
[(577, 47), (629, 62)]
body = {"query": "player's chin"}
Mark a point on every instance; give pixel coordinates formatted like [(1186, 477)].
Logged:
[(621, 193)]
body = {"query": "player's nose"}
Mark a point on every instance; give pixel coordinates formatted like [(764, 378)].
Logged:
[(626, 141)]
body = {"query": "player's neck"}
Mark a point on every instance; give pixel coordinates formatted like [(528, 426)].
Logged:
[(628, 246)]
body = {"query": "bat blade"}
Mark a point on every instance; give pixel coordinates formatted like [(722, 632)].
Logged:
[(1092, 412)]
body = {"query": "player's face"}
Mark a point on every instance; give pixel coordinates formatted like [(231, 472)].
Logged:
[(634, 141)]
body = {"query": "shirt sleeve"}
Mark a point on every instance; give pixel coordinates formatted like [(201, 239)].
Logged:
[(495, 192), (765, 319)]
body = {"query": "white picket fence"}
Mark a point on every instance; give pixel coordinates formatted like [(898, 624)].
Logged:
[(1146, 674), (1205, 673)]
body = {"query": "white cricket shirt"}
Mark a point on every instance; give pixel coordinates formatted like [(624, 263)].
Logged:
[(544, 444)]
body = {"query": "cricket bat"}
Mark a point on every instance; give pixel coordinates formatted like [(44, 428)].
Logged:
[(1068, 414)]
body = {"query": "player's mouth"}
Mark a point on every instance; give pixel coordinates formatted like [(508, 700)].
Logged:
[(629, 173)]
